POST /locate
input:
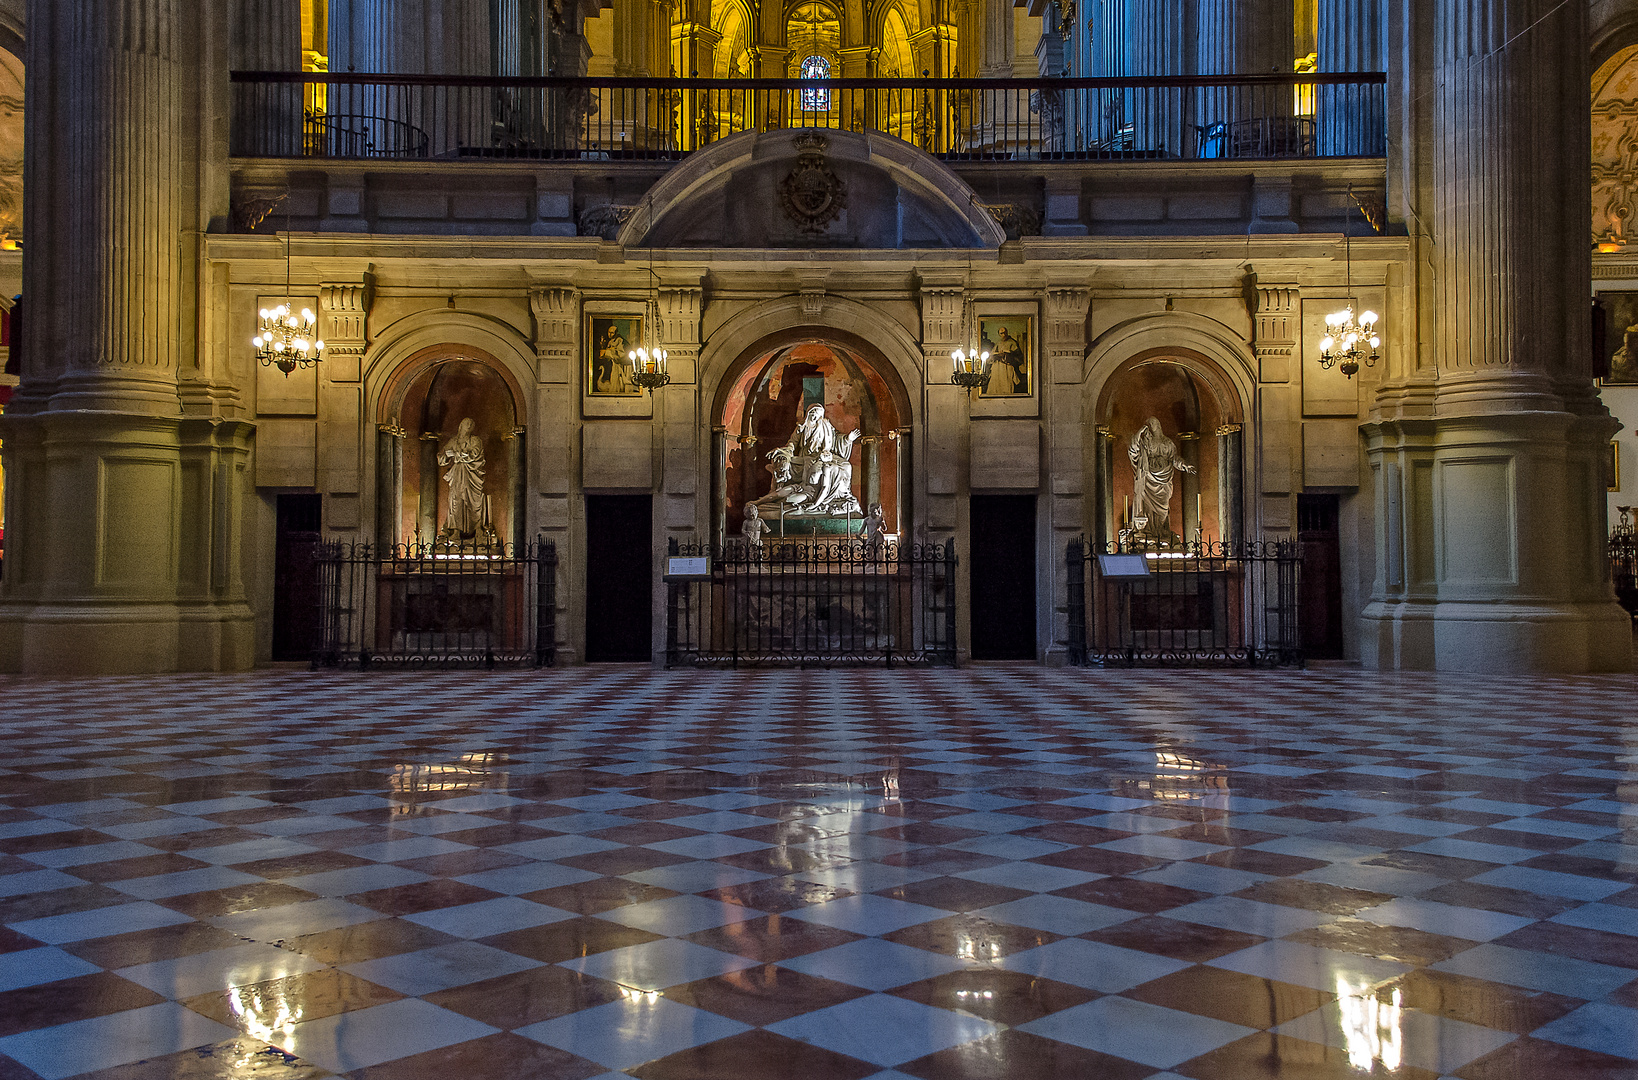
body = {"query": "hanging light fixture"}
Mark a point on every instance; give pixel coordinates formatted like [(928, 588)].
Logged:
[(648, 365), (648, 360), (972, 366), (1348, 338), (972, 369), (284, 339)]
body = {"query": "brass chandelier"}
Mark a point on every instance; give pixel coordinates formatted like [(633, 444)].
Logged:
[(1348, 337), (284, 339)]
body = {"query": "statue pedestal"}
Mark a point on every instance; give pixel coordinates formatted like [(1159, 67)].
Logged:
[(797, 526)]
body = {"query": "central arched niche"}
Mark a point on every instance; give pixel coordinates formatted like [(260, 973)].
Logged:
[(765, 402)]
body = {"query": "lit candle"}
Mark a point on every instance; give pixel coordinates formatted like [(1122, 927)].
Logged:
[(1199, 522), (1127, 519)]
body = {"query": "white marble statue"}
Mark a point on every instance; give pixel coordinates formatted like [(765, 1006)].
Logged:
[(1155, 463), (464, 457), (812, 472), (753, 528)]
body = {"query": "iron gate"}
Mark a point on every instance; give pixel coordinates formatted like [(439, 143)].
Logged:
[(1216, 602), (431, 604), (812, 602)]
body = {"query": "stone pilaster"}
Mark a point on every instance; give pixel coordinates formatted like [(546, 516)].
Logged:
[(943, 455), (1063, 341), (124, 516), (1490, 488), (678, 310), (557, 331)]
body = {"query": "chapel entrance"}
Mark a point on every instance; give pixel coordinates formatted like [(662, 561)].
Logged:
[(1002, 577), (619, 588)]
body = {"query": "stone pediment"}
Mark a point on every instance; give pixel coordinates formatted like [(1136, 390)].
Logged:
[(807, 188)]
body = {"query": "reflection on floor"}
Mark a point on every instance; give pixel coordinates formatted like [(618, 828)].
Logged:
[(998, 873)]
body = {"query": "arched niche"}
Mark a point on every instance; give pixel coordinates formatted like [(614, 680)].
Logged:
[(1197, 409), (423, 450), (763, 397)]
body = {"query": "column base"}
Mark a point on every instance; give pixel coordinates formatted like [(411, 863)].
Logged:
[(67, 640), (1496, 638)]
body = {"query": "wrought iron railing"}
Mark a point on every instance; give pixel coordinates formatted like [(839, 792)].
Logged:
[(436, 605), (277, 114), (1214, 602), (811, 602), (1623, 549)]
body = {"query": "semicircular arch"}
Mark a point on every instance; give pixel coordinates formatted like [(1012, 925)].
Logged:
[(410, 345), (1210, 350), (750, 334)]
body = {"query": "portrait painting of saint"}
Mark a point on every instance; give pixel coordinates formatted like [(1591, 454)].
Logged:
[(1620, 338), (1010, 341), (609, 341)]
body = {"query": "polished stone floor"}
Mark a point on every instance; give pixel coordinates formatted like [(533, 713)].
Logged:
[(1003, 872)]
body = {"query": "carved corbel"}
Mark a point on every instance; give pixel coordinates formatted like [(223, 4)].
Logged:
[(557, 328), (1065, 331), (344, 311), (810, 285), (1275, 327)]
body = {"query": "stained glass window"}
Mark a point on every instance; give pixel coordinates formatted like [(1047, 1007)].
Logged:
[(816, 67)]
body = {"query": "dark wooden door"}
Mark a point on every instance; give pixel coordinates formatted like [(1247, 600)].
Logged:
[(619, 578), (295, 576), (1001, 571), (1320, 608)]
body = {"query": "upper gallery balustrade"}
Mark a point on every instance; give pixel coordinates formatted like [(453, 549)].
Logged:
[(447, 118)]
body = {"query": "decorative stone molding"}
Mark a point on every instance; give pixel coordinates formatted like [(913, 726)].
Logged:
[(603, 220), (557, 328), (1276, 324), (343, 316), (810, 283), (251, 208), (1066, 308), (1018, 219), (811, 194), (942, 307), (680, 321)]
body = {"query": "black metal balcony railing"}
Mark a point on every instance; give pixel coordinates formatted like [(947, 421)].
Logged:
[(324, 115)]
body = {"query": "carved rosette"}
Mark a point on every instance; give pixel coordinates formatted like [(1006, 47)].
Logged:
[(811, 194)]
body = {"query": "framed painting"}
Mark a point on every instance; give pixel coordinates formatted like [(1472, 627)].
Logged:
[(1620, 345), (1612, 467), (609, 337), (1010, 333)]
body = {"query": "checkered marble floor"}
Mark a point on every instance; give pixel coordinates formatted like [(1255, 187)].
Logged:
[(1002, 872)]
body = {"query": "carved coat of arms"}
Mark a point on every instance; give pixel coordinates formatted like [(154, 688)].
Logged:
[(811, 195)]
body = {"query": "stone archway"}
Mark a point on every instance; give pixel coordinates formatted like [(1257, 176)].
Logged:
[(762, 398), (437, 395)]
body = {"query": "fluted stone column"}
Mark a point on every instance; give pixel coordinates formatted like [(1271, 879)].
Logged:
[(266, 36), (124, 515), (1489, 494), (1243, 37), (1350, 120), (1161, 41)]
